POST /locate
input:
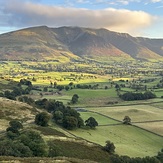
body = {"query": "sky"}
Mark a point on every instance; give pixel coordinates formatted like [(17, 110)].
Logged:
[(139, 18)]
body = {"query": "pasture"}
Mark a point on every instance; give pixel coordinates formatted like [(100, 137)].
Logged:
[(128, 140), (156, 127), (137, 113), (102, 120)]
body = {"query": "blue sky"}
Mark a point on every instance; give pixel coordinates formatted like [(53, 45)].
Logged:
[(136, 17)]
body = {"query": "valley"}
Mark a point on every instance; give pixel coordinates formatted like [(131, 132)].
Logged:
[(55, 81), (99, 87)]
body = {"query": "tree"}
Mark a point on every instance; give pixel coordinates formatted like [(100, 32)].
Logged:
[(71, 83), (127, 120), (109, 147), (117, 87), (80, 122), (70, 122), (15, 126), (160, 156), (26, 99), (11, 148), (35, 142), (74, 99), (91, 122), (106, 87), (45, 89), (58, 116), (67, 88), (42, 119), (55, 84)]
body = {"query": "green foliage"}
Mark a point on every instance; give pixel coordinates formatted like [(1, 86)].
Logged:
[(34, 141), (45, 89), (70, 122), (17, 149), (42, 119), (65, 116), (160, 156), (129, 96), (26, 99), (25, 82), (12, 134), (41, 103), (91, 122), (54, 150), (60, 87), (127, 120), (109, 147), (74, 99), (9, 95), (58, 116), (15, 126)]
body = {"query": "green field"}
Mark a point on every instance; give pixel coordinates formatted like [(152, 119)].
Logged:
[(99, 118), (101, 103), (128, 140), (137, 113)]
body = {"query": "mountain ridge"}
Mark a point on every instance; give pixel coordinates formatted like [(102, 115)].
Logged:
[(66, 43)]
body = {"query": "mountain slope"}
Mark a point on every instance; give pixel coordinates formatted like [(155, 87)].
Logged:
[(33, 43), (66, 43)]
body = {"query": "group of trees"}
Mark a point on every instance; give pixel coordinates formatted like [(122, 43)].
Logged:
[(18, 90), (22, 143), (63, 115), (129, 96)]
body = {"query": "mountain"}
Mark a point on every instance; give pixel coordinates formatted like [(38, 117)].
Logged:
[(66, 43)]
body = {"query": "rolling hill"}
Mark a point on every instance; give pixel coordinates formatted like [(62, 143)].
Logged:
[(66, 43)]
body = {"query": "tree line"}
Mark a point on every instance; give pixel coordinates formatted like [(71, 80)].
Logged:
[(129, 96)]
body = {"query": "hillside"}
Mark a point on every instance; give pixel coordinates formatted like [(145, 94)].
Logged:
[(68, 43), (69, 147)]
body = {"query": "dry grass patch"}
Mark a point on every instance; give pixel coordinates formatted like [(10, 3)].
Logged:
[(10, 109), (156, 127)]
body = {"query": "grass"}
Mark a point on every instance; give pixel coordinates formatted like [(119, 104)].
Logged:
[(99, 118), (49, 131), (89, 97), (10, 110), (137, 113), (89, 93), (128, 140), (156, 127)]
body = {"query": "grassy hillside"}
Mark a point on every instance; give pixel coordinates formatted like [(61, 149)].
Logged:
[(129, 140), (10, 110), (69, 148)]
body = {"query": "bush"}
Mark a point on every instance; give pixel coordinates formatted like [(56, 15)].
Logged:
[(109, 147), (42, 119)]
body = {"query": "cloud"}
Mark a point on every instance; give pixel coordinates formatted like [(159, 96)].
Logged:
[(32, 14), (155, 1)]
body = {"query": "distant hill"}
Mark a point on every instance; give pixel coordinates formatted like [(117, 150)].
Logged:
[(67, 43)]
